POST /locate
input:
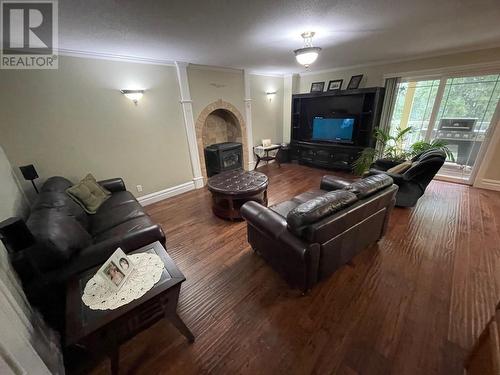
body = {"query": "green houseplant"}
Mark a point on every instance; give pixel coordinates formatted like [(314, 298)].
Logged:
[(392, 149)]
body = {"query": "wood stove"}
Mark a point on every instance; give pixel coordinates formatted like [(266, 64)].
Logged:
[(221, 157)]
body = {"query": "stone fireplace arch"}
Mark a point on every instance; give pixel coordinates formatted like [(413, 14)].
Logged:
[(201, 122)]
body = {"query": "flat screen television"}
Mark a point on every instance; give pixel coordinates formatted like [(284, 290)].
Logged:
[(333, 129)]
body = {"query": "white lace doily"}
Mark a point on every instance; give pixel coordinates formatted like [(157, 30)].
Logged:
[(148, 268)]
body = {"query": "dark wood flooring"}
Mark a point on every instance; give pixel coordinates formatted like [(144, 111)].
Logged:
[(413, 304)]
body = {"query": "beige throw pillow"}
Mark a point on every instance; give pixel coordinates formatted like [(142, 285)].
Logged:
[(400, 168), (88, 194)]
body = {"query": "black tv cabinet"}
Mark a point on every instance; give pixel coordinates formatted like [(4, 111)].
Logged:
[(364, 104)]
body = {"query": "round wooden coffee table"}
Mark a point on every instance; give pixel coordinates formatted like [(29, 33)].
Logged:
[(230, 190)]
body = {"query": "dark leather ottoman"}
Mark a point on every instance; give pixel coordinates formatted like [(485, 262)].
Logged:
[(230, 190)]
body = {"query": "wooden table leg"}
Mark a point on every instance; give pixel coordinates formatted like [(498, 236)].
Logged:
[(169, 306), (114, 358), (179, 324), (258, 161), (231, 208)]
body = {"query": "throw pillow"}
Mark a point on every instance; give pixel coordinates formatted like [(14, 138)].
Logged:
[(88, 194), (400, 168)]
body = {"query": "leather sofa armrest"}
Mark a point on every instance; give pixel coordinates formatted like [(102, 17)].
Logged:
[(113, 184), (292, 253), (331, 183), (263, 218), (99, 252)]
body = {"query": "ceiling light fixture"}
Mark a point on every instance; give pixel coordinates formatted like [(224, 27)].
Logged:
[(133, 95), (308, 54)]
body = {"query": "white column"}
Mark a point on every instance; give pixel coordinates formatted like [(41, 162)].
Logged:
[(187, 109), (248, 119), (290, 87)]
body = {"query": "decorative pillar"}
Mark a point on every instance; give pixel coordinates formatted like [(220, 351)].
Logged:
[(248, 119), (187, 109), (290, 87)]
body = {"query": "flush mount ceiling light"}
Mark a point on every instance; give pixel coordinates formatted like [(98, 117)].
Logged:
[(133, 95), (308, 54)]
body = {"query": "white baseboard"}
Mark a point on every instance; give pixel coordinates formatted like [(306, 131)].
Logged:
[(487, 183), (198, 182), (166, 193)]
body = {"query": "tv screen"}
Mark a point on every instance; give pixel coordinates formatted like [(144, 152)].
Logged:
[(333, 129)]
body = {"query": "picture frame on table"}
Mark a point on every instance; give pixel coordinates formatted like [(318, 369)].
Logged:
[(335, 85), (317, 87), (354, 82), (116, 270), (266, 143)]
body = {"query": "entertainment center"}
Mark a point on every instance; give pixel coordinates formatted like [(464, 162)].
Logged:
[(330, 129)]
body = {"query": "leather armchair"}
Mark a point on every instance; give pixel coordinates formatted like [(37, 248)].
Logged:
[(414, 181), (310, 236)]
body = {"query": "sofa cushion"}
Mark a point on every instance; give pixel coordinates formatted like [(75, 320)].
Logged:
[(308, 195), (318, 208), (369, 185), (88, 194), (107, 218), (284, 208), (56, 184), (135, 225), (117, 199), (59, 235)]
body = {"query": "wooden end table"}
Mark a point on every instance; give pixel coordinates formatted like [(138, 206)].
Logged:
[(103, 331), (267, 158), (230, 190)]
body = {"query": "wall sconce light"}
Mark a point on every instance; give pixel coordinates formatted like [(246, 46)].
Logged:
[(133, 95), (270, 95)]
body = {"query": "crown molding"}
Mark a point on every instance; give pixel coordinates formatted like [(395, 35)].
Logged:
[(257, 73), (216, 68), (114, 57), (482, 68), (395, 61)]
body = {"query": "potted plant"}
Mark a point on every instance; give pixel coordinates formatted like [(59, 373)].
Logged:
[(392, 151)]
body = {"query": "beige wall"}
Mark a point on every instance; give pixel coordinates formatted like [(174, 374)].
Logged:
[(74, 120), (373, 75), (208, 85), (267, 116)]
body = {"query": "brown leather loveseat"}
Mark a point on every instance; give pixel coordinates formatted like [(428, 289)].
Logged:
[(309, 237)]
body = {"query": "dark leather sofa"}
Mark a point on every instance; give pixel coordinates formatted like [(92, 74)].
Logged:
[(310, 236), (69, 241), (414, 181)]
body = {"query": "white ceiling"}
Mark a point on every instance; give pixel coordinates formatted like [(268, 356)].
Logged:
[(260, 35)]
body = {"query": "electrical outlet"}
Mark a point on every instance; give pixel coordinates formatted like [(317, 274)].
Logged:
[(139, 188)]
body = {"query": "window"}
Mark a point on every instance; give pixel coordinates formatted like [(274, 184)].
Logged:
[(456, 110)]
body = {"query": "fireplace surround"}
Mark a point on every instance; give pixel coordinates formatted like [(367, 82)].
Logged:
[(220, 122)]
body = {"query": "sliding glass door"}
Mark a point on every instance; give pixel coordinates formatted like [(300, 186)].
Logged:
[(455, 110)]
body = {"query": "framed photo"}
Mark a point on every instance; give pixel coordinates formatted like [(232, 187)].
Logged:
[(317, 86), (266, 142), (116, 270), (335, 85), (354, 82)]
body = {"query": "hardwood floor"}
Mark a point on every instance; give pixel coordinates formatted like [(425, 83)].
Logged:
[(413, 304)]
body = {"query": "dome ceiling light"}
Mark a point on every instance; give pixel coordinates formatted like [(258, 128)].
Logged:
[(308, 54)]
